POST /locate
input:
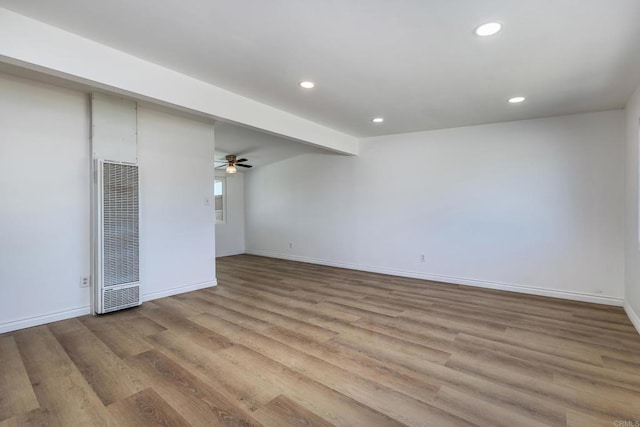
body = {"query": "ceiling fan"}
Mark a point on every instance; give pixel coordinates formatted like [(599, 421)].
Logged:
[(231, 163)]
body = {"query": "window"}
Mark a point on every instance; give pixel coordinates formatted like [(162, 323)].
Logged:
[(219, 190)]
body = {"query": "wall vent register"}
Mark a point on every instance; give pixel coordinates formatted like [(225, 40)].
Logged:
[(117, 220)]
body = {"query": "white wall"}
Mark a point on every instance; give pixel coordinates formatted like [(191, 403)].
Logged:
[(230, 236), (632, 276), (534, 206), (45, 208), (44, 200), (177, 228)]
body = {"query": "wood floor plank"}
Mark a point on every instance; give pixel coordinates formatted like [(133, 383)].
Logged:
[(219, 309), (610, 392), (271, 313), (578, 328), (570, 353), (16, 394), (330, 404), (109, 377), (310, 314), (36, 418), (358, 308), (343, 357), (287, 343), (589, 335), (388, 347), (301, 309), (183, 326), (244, 388), (590, 402), (141, 325), (610, 316), (131, 319), (117, 336), (400, 407), (58, 384), (523, 403), (66, 326), (196, 401), (487, 302), (622, 378), (356, 362), (425, 319), (621, 365), (592, 353), (435, 339), (495, 393), (510, 312), (578, 419), (176, 307), (283, 411), (145, 408), (481, 412), (340, 331)]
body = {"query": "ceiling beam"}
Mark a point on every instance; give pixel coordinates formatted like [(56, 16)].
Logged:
[(37, 46)]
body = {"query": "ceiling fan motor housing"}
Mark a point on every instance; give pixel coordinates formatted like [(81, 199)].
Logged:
[(233, 161)]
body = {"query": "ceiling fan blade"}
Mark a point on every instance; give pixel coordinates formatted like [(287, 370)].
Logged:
[(242, 160), (244, 166), (221, 166)]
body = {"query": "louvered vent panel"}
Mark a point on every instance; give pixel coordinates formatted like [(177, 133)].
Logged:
[(115, 299), (120, 232)]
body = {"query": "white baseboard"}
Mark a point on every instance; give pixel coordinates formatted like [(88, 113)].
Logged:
[(68, 314), (41, 320), (633, 316), (178, 290), (555, 293), (229, 253)]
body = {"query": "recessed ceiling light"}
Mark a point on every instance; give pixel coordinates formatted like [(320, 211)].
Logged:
[(377, 120), (307, 84), (488, 29), (516, 99)]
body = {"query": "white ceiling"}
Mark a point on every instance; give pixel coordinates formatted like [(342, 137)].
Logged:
[(415, 62), (260, 148)]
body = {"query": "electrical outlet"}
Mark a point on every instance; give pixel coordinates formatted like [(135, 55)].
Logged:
[(421, 257), (84, 282)]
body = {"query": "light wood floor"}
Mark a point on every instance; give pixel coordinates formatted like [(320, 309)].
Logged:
[(281, 343)]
